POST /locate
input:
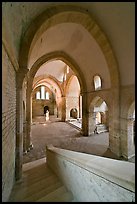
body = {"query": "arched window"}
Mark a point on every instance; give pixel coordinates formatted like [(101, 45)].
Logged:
[(47, 95), (42, 92), (97, 82), (38, 95)]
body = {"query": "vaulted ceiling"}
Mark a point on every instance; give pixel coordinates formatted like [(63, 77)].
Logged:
[(116, 19)]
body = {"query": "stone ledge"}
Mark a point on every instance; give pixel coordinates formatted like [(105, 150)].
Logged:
[(121, 173)]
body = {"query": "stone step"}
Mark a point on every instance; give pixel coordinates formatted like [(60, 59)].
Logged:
[(42, 192), (31, 189), (59, 195), (39, 183), (101, 128)]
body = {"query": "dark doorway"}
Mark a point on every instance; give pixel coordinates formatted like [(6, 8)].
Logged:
[(74, 113), (46, 108)]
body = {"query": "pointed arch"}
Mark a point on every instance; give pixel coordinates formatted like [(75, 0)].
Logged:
[(66, 13), (66, 59)]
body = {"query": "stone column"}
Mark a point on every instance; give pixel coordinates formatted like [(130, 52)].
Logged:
[(127, 138), (114, 125), (130, 136), (63, 117), (80, 106), (91, 123), (19, 123), (67, 108), (19, 135), (24, 137), (28, 117), (84, 115), (59, 107), (124, 138)]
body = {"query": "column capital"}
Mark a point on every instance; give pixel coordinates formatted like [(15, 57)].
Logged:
[(20, 77)]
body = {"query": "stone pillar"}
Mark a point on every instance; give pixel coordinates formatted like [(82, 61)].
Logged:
[(19, 134), (63, 118), (80, 106), (28, 118), (84, 115), (59, 107), (19, 123), (24, 137), (114, 126), (127, 138), (67, 108), (91, 123), (124, 138), (130, 136)]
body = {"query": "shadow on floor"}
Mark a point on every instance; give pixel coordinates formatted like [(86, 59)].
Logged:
[(62, 135)]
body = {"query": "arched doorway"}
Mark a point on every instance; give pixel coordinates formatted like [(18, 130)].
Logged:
[(74, 113), (73, 98), (46, 108), (98, 117)]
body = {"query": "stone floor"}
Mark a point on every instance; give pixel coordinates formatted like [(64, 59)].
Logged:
[(39, 184), (63, 135)]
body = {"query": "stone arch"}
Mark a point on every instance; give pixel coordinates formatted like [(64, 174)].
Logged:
[(49, 81), (58, 92), (67, 13), (52, 16), (68, 84), (43, 78), (51, 56), (66, 59), (92, 121), (72, 93), (96, 98)]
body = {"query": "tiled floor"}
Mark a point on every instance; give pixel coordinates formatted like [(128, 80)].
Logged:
[(65, 136)]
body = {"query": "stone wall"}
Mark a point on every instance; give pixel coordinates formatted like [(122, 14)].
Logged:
[(71, 102), (92, 178), (126, 124), (38, 107), (38, 104), (8, 124)]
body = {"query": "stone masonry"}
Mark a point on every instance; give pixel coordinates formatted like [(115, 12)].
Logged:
[(8, 124)]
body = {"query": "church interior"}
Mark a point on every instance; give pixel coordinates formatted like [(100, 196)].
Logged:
[(68, 101)]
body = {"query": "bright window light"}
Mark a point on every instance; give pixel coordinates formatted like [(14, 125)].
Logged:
[(97, 82), (42, 92), (38, 95), (47, 95)]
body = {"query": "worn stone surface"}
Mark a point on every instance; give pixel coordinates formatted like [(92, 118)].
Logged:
[(91, 178), (65, 136), (127, 121), (8, 124)]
